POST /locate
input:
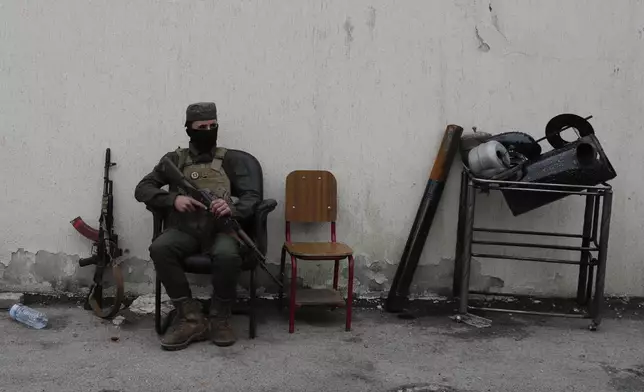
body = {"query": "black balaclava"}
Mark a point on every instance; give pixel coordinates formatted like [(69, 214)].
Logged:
[(203, 140)]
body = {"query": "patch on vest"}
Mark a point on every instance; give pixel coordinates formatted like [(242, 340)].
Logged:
[(194, 175)]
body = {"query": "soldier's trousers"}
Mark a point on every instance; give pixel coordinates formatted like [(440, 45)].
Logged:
[(172, 246)]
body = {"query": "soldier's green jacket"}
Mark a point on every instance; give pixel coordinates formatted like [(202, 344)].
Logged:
[(149, 190)]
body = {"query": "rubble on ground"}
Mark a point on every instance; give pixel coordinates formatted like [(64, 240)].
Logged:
[(7, 300), (144, 304)]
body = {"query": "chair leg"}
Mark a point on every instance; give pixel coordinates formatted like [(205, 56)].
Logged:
[(280, 302), (291, 317), (157, 305), (336, 271), (349, 294), (251, 307)]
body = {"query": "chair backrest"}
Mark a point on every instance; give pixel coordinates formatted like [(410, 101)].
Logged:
[(254, 172), (311, 196)]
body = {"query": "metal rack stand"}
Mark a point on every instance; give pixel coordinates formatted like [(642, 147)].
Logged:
[(597, 198)]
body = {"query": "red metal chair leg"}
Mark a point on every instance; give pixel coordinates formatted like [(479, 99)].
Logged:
[(336, 270), (291, 316), (280, 303), (350, 294)]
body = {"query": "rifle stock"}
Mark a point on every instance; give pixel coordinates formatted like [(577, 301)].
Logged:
[(176, 177)]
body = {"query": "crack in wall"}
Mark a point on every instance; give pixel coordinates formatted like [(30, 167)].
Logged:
[(348, 28), (495, 21), (483, 46)]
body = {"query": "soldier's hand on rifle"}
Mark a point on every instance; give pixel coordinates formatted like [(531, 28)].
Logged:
[(186, 203), (220, 208)]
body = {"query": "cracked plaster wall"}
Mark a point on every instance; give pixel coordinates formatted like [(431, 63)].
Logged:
[(362, 88)]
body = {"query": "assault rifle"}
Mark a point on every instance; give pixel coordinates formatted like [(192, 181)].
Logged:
[(105, 249), (206, 197)]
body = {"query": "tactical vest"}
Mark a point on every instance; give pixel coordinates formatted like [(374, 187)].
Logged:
[(208, 175), (205, 175)]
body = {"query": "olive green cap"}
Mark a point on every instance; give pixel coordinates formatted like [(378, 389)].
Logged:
[(201, 111)]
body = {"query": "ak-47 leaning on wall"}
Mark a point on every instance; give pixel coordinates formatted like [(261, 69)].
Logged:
[(105, 250)]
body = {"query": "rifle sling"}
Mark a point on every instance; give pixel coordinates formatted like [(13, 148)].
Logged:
[(118, 299)]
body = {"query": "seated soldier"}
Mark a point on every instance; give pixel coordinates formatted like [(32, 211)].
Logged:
[(191, 228)]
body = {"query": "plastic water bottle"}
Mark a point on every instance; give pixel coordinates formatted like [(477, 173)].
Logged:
[(28, 316)]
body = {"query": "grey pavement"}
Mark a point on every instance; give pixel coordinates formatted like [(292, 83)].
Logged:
[(79, 352)]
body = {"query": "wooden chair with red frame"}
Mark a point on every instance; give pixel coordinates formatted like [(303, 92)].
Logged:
[(311, 197)]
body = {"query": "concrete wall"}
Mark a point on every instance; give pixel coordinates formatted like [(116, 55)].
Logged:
[(361, 88)]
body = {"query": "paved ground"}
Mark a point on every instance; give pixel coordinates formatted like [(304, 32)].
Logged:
[(382, 353)]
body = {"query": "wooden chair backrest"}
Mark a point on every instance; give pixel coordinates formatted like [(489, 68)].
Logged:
[(311, 196)]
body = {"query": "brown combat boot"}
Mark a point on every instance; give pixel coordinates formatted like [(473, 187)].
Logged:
[(190, 325), (221, 333)]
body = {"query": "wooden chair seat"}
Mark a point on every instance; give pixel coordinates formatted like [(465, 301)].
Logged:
[(318, 250)]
